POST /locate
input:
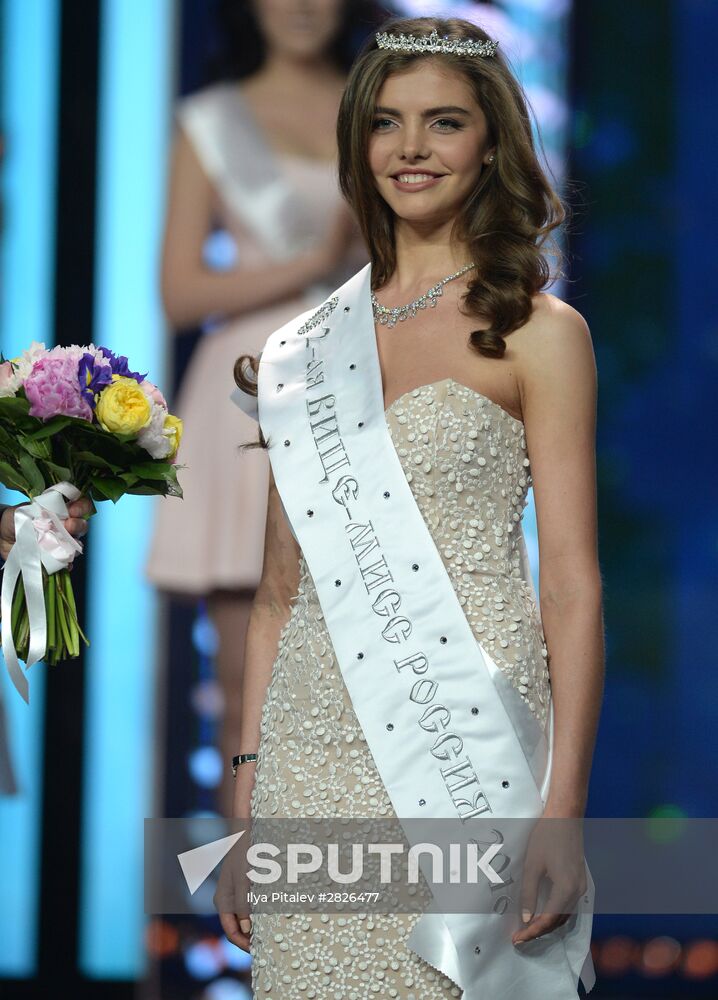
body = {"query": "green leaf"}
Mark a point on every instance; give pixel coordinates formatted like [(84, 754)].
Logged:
[(146, 490), (13, 479), (102, 445), (109, 489), (96, 461), (14, 406), (151, 470), (38, 449), (55, 473), (173, 486), (8, 438), (52, 426), (35, 478), (129, 478)]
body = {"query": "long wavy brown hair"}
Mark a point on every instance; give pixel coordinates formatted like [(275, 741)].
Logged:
[(507, 222)]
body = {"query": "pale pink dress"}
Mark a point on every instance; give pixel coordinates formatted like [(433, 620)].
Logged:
[(275, 206)]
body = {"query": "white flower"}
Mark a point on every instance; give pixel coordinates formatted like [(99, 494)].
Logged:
[(9, 379), (24, 362), (154, 438)]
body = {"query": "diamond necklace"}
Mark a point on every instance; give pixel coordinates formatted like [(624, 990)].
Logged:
[(390, 317)]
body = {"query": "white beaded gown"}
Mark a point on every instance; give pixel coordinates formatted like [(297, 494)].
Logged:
[(465, 458)]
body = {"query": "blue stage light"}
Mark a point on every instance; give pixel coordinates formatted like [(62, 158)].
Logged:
[(203, 960), (227, 989), (205, 766), (29, 89), (134, 129)]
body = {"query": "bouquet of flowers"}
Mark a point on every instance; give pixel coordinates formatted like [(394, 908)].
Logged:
[(74, 421)]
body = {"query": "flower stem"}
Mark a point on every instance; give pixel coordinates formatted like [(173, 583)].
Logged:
[(71, 599), (51, 602), (69, 616), (66, 645), (18, 600), (19, 619)]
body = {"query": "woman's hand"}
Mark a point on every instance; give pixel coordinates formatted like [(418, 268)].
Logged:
[(233, 884), (233, 914), (555, 849), (76, 523)]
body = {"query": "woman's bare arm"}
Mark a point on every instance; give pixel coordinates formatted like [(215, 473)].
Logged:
[(270, 612), (191, 291), (559, 388)]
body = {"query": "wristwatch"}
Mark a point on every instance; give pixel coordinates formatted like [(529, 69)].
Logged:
[(242, 758)]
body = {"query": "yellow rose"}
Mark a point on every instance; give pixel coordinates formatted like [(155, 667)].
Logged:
[(123, 407), (173, 424)]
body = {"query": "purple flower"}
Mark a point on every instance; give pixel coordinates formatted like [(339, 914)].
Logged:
[(52, 388), (119, 365), (92, 377)]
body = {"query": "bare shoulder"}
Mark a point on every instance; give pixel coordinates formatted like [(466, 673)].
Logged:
[(555, 338), (554, 320)]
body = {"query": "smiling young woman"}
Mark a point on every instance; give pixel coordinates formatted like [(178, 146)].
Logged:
[(399, 663)]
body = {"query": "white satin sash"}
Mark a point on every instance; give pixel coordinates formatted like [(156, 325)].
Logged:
[(410, 661), (245, 170)]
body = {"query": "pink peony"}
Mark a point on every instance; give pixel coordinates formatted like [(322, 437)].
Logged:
[(152, 392), (52, 388)]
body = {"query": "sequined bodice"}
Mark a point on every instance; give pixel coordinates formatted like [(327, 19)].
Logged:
[(465, 458)]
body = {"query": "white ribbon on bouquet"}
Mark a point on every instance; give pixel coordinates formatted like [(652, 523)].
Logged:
[(41, 539)]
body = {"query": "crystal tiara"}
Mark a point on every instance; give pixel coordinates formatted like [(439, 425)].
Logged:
[(433, 43)]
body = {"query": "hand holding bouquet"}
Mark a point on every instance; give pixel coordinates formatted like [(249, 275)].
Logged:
[(74, 421), (78, 514)]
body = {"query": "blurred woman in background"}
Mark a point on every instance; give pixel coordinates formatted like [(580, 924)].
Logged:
[(254, 154)]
